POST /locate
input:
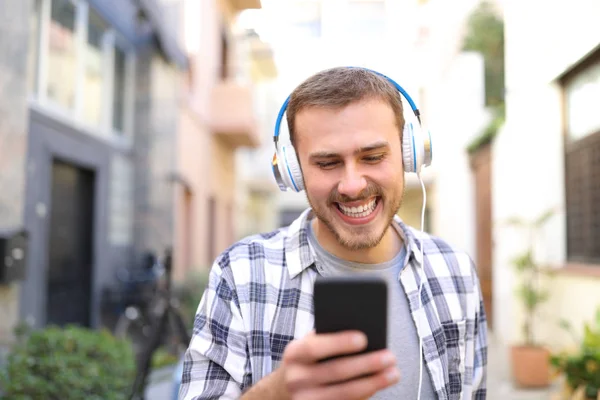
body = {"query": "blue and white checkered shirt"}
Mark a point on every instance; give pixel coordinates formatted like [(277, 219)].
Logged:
[(259, 298)]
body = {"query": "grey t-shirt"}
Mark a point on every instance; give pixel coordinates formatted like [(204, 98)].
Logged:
[(403, 340)]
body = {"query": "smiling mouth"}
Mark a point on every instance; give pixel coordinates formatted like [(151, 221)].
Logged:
[(359, 210)]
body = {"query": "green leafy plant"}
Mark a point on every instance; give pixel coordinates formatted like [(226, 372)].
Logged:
[(485, 35), (530, 290), (68, 363), (582, 368)]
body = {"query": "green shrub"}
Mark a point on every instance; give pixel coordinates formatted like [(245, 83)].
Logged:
[(582, 369), (68, 363)]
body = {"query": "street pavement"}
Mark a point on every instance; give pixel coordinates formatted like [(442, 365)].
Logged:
[(500, 386), (160, 385), (160, 391)]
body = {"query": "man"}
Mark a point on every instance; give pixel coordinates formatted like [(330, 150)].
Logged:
[(253, 333)]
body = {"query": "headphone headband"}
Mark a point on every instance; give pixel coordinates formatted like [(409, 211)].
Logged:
[(400, 89)]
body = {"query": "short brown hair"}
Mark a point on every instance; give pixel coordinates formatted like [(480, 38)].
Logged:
[(339, 87)]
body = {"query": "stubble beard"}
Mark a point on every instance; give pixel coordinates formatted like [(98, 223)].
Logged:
[(358, 237)]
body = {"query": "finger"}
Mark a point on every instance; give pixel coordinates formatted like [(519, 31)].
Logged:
[(314, 347), (351, 367), (301, 376), (361, 388)]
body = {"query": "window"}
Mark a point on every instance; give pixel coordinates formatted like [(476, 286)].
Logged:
[(581, 92), (80, 68), (62, 63), (97, 32), (34, 44), (582, 161)]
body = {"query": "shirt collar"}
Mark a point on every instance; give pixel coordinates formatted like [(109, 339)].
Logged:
[(299, 254)]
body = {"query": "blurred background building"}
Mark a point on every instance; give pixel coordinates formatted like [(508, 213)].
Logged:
[(121, 123), (547, 157), (90, 98)]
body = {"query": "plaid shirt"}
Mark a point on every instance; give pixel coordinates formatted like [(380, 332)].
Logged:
[(259, 298)]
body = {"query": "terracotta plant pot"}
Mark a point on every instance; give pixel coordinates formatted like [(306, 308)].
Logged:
[(530, 366)]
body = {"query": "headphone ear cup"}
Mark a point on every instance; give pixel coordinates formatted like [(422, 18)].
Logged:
[(412, 148), (409, 156), (289, 168)]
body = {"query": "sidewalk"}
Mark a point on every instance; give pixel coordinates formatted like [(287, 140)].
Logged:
[(160, 384), (500, 386)]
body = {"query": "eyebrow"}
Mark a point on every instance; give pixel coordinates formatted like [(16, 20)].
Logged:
[(365, 149)]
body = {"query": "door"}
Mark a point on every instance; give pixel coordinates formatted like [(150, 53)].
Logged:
[(188, 230), (481, 164), (70, 259)]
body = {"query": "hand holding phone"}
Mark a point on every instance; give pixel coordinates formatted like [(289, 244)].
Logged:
[(353, 377), (346, 358)]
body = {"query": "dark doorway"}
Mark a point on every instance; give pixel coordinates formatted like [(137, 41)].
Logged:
[(70, 261)]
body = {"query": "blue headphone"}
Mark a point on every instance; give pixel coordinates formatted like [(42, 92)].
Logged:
[(416, 148)]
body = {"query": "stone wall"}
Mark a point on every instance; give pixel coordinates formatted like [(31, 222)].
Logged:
[(13, 136)]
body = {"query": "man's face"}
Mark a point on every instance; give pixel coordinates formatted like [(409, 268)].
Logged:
[(352, 165)]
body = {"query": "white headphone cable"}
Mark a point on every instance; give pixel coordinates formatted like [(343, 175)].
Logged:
[(422, 279)]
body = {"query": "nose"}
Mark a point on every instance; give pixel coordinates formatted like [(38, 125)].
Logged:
[(352, 183)]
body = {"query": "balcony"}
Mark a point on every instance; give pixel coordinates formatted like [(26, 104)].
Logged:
[(232, 115), (241, 5)]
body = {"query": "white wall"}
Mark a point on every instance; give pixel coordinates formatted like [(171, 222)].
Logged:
[(542, 40), (456, 116), (452, 87)]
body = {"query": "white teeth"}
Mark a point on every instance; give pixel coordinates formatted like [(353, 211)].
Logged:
[(360, 211)]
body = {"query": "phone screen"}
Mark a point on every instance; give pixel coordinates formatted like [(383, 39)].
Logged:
[(353, 303)]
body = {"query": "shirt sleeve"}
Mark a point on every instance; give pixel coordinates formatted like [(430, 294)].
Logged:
[(481, 345), (216, 363)]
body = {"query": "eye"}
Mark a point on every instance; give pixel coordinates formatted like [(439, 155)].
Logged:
[(327, 164), (374, 158)]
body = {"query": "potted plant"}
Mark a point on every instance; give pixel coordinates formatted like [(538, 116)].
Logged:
[(530, 359)]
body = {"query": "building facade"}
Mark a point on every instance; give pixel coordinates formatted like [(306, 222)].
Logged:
[(546, 158), (219, 118), (90, 102)]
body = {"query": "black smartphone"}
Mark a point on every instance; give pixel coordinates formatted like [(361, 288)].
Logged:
[(355, 302)]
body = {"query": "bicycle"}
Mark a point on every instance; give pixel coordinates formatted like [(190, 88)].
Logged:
[(161, 323)]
